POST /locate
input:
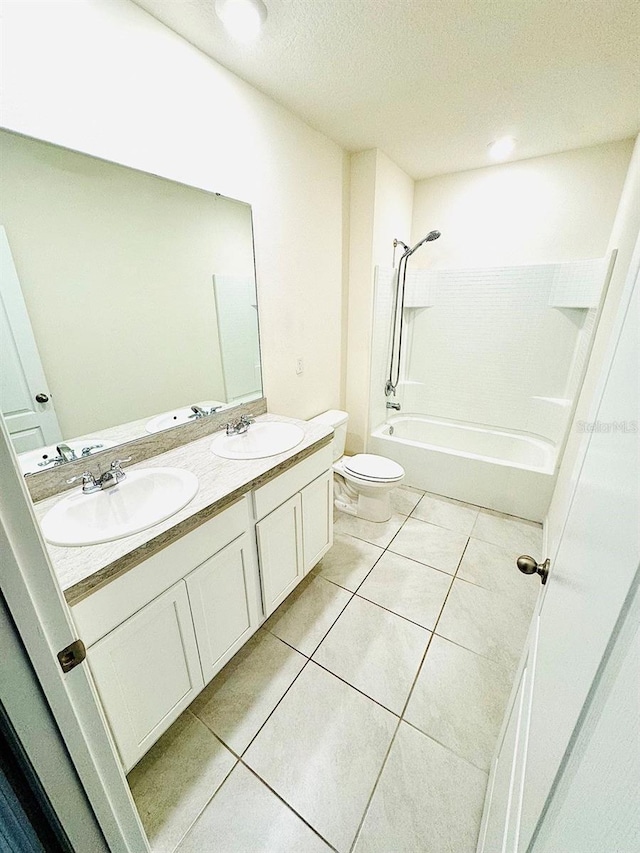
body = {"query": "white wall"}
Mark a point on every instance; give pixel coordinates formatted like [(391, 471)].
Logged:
[(103, 77), (624, 237), (555, 208), (381, 208)]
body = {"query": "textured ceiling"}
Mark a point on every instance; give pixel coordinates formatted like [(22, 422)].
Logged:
[(432, 82)]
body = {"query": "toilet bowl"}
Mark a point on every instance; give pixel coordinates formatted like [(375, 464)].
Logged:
[(363, 483)]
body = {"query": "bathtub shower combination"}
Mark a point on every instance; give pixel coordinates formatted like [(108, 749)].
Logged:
[(475, 374)]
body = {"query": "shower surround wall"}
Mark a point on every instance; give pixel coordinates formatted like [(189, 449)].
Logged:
[(491, 365)]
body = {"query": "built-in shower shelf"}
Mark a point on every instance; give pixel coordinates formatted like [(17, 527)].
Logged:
[(578, 284), (571, 284)]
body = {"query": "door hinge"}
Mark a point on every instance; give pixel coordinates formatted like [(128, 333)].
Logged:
[(72, 655)]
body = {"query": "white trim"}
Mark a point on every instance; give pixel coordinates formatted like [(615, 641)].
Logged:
[(27, 709), (43, 620)]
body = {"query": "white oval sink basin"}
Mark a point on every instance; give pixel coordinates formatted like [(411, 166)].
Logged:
[(142, 499), (176, 417), (260, 440), (30, 462)]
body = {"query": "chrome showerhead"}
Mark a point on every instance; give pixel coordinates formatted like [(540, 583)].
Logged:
[(432, 235)]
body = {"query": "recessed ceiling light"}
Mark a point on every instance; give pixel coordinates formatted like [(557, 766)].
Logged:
[(242, 19), (501, 148)]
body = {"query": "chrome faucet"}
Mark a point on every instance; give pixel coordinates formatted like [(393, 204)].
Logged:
[(199, 412), (106, 480), (240, 426), (395, 406), (66, 453)]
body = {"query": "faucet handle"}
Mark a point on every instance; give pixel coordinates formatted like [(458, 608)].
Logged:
[(87, 479), (116, 464)]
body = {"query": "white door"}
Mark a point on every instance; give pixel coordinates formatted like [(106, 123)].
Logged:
[(147, 671), (222, 594), (25, 399), (279, 537), (237, 316), (590, 581), (317, 519)]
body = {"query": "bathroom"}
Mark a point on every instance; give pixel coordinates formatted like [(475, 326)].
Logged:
[(105, 78)]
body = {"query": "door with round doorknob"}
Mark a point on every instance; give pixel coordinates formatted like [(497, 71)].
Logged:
[(529, 566)]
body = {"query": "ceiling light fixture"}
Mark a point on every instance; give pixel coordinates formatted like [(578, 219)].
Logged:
[(242, 19), (501, 148)]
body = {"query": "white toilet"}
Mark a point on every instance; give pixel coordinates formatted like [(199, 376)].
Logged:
[(362, 483)]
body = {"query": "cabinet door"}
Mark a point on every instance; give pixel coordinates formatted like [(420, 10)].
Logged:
[(222, 594), (317, 519), (279, 537), (147, 671)]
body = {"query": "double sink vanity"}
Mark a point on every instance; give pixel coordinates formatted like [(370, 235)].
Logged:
[(173, 568), (172, 540)]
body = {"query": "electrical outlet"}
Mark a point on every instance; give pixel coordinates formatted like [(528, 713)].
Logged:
[(299, 366)]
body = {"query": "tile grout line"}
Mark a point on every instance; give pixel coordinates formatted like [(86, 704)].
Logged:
[(268, 717), (308, 660), (444, 746), (176, 849), (472, 651), (288, 805), (433, 633), (401, 719), (357, 689), (393, 612), (375, 786)]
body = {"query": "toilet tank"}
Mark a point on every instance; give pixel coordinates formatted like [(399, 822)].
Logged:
[(338, 420)]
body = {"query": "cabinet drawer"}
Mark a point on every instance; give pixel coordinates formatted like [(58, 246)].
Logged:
[(147, 671), (277, 491), (108, 607)]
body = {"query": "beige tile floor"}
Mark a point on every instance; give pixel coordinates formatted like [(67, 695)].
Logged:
[(363, 715)]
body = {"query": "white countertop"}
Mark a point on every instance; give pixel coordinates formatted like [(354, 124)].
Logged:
[(81, 569)]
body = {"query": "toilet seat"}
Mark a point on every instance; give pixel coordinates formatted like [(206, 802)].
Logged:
[(371, 468)]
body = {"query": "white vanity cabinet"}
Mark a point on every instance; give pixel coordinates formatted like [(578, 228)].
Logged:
[(317, 519), (156, 635), (147, 671), (294, 526), (279, 537), (222, 598)]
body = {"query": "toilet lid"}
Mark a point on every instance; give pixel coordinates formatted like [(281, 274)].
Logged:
[(371, 467)]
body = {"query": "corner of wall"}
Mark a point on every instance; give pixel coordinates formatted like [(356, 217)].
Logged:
[(346, 242), (624, 235), (381, 207)]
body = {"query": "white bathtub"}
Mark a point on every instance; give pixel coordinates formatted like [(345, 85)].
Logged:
[(511, 472)]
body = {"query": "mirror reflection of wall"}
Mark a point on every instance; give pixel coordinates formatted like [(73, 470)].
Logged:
[(140, 291)]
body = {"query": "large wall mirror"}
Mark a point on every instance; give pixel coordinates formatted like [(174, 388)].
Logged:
[(126, 300)]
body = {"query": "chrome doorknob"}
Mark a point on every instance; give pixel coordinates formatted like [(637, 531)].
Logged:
[(42, 398), (528, 566)]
